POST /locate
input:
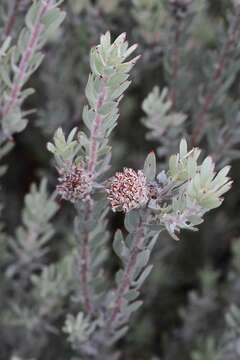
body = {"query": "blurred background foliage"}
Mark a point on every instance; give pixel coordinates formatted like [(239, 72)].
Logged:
[(191, 299)]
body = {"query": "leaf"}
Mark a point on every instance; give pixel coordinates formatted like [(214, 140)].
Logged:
[(54, 22), (32, 14), (141, 262), (132, 220), (119, 245), (142, 277), (120, 90), (133, 307), (150, 166), (131, 295)]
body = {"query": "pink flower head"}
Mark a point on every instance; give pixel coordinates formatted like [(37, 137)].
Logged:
[(74, 183), (128, 190)]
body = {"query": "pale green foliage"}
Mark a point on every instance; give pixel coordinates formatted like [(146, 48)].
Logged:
[(151, 16), (104, 90), (55, 280), (150, 166), (206, 188), (78, 328), (63, 149), (183, 194), (32, 236), (160, 116), (4, 48), (98, 237), (140, 242), (177, 197), (195, 189), (183, 166), (19, 62), (105, 87)]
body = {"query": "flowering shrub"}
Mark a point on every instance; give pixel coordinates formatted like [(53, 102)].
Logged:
[(93, 267), (174, 200)]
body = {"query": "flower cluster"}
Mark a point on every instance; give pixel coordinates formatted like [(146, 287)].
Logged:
[(128, 190), (178, 198), (74, 183)]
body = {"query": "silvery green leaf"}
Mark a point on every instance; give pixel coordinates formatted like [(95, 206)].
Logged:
[(90, 92), (32, 14), (133, 307), (22, 44), (119, 245), (99, 259), (26, 93), (150, 166), (119, 276), (4, 73), (96, 63), (131, 220), (153, 241), (119, 334), (117, 79), (88, 116), (131, 295), (5, 46), (107, 108), (13, 123), (51, 147), (141, 262), (120, 90), (34, 63), (52, 20), (142, 277)]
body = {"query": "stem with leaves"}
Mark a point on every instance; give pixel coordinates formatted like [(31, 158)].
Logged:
[(106, 85), (19, 62), (85, 254), (85, 263), (125, 284), (215, 81), (26, 58), (95, 131)]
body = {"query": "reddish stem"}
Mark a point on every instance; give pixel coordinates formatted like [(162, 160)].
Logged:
[(25, 59), (85, 256), (125, 283), (215, 80), (95, 132)]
